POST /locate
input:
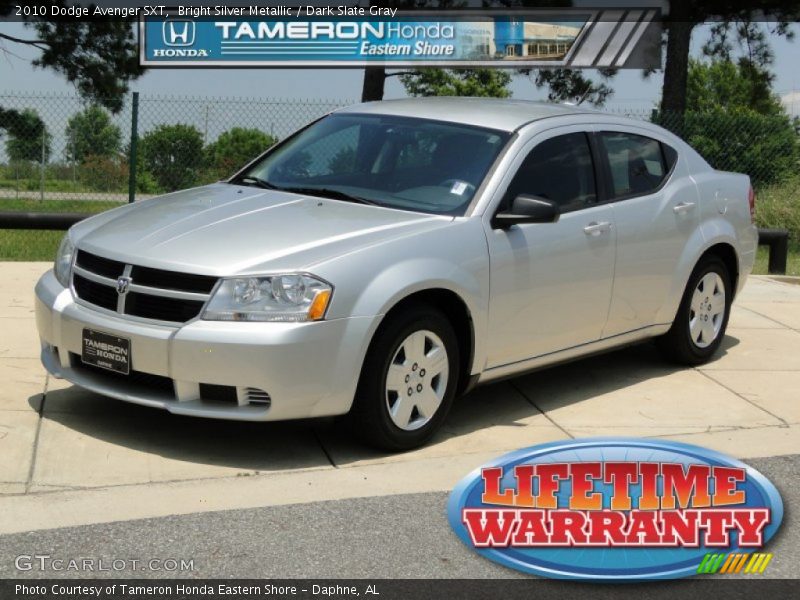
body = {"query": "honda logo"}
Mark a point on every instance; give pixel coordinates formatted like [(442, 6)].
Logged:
[(123, 285), (178, 32)]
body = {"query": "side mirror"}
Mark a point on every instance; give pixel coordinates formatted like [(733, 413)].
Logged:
[(527, 209)]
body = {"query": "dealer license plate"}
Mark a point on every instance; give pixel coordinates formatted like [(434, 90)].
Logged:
[(106, 351)]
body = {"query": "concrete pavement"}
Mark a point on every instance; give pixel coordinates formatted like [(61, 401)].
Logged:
[(74, 458)]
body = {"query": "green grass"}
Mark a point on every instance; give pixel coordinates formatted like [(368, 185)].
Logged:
[(36, 244), (27, 245), (778, 207), (50, 185), (78, 206), (792, 263)]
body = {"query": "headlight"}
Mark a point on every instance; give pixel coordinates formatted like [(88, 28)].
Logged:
[(64, 260), (287, 298)]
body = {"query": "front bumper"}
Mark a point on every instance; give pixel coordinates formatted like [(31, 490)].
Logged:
[(279, 370)]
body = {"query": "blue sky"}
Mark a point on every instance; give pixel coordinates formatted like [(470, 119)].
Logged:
[(631, 91)]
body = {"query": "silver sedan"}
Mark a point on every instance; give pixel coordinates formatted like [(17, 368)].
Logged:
[(391, 255)]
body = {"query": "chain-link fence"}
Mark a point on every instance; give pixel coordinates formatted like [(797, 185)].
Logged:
[(58, 154), (55, 147)]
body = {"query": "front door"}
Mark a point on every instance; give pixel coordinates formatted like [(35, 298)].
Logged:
[(551, 282)]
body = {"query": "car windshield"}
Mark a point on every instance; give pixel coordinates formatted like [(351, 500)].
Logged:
[(397, 162)]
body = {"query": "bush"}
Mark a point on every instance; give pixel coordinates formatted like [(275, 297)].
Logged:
[(103, 174), (234, 149), (173, 155), (92, 133), (765, 147), (146, 183)]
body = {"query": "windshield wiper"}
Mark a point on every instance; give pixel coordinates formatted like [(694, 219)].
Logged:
[(258, 182), (328, 193)]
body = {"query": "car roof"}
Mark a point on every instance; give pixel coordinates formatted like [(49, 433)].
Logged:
[(495, 113)]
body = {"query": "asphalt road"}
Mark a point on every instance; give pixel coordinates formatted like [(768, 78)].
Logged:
[(405, 536)]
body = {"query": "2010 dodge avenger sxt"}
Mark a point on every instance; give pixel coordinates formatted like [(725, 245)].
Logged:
[(391, 255)]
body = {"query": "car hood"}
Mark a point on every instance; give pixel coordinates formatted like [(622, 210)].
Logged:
[(227, 229)]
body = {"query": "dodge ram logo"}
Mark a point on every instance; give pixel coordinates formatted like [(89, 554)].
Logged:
[(123, 284)]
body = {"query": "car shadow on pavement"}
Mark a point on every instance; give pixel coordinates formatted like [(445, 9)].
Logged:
[(106, 435)]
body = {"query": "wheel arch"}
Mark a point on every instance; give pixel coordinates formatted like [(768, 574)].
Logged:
[(456, 310), (723, 246), (727, 253)]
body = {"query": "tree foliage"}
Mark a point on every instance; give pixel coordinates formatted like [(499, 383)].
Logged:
[(725, 85), (26, 133), (457, 82), (173, 155), (98, 57), (235, 148), (568, 85), (735, 121), (92, 133), (684, 16), (764, 146)]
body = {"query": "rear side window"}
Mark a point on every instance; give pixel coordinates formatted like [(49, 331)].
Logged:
[(559, 169), (638, 164)]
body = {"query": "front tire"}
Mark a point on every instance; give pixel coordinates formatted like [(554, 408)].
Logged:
[(702, 318), (408, 381)]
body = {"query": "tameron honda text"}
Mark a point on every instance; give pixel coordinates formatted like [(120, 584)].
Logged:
[(613, 509)]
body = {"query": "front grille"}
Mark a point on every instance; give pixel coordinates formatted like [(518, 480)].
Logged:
[(161, 308), (95, 293), (152, 293), (171, 280), (99, 265)]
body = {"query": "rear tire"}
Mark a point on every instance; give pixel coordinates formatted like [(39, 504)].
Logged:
[(408, 381), (702, 318)]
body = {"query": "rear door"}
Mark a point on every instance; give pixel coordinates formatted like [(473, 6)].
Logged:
[(551, 282), (655, 207)]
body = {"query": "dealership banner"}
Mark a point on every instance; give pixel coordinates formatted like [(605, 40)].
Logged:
[(280, 36)]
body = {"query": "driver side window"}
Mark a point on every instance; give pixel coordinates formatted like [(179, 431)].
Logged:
[(559, 169)]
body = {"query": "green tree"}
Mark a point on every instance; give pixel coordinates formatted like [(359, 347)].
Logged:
[(457, 82), (92, 133), (683, 17), (26, 135), (173, 155), (565, 85), (99, 57), (725, 85), (235, 148)]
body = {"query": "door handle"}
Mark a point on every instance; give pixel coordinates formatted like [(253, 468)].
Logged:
[(682, 208), (594, 228)]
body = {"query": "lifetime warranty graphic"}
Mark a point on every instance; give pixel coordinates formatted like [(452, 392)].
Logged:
[(617, 509), (611, 38)]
